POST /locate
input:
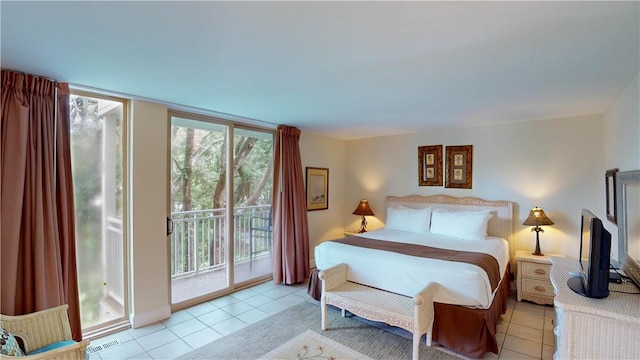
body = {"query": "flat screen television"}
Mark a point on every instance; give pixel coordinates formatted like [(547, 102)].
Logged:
[(595, 248)]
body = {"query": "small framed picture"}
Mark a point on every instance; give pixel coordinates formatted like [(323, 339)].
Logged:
[(458, 160), (430, 165), (317, 188), (459, 166), (430, 159), (431, 173), (457, 175)]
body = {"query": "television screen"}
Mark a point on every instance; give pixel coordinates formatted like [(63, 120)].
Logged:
[(595, 248)]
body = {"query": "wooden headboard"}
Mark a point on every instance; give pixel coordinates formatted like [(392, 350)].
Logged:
[(500, 225)]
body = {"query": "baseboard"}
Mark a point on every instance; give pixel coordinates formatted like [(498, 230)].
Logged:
[(150, 317)]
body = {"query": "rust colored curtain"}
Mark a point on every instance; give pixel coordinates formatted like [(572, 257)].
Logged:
[(290, 226), (38, 227)]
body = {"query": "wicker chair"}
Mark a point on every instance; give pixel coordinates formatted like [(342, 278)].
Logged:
[(43, 328)]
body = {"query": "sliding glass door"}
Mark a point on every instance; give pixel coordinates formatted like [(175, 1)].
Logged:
[(198, 245), (216, 245), (253, 185)]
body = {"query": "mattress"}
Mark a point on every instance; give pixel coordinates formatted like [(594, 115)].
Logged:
[(460, 283)]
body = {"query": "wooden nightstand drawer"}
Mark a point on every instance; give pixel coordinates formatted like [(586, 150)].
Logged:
[(537, 287), (535, 270)]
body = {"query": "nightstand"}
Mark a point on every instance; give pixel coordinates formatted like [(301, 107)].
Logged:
[(533, 279)]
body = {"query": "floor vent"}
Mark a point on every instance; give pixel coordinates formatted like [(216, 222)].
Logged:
[(92, 349)]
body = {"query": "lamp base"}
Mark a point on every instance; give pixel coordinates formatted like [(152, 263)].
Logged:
[(363, 225), (537, 229)]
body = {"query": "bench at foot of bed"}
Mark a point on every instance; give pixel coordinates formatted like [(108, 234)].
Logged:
[(412, 314)]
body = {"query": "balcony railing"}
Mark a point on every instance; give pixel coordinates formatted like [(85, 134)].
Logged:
[(114, 258), (198, 239), (197, 244)]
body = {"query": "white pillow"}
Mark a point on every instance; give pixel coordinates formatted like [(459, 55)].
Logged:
[(410, 220), (428, 215), (467, 225)]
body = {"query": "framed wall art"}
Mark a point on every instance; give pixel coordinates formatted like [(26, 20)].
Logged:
[(459, 166), (610, 190), (317, 188), (430, 165)]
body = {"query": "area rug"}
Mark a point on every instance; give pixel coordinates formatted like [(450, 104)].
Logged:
[(310, 345), (257, 340)]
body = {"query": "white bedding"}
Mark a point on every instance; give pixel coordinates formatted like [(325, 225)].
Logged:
[(461, 283)]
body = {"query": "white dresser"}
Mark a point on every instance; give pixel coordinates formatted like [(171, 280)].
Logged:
[(588, 328)]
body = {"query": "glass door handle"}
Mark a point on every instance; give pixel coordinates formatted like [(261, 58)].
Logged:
[(169, 226)]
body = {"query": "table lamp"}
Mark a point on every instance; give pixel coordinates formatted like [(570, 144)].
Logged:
[(363, 209), (536, 218)]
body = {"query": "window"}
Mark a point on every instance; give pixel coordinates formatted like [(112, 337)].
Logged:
[(97, 148)]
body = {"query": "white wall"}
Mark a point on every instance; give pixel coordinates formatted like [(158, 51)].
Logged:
[(555, 164), (324, 152), (148, 203), (622, 140), (622, 129)]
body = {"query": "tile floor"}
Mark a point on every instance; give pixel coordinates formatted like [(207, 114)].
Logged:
[(525, 331)]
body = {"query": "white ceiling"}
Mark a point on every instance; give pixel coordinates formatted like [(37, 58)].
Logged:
[(341, 69)]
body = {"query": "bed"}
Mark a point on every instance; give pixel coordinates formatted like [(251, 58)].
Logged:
[(471, 296)]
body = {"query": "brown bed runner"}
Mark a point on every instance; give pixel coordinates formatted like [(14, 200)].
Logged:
[(486, 262)]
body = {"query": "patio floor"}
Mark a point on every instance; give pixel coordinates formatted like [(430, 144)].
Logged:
[(190, 287)]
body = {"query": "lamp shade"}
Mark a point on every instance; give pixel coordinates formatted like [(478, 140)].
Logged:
[(363, 208), (537, 217)]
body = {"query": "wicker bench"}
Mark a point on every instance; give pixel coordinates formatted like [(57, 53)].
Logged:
[(412, 314)]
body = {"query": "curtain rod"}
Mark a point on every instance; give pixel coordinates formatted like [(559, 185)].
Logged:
[(34, 75)]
